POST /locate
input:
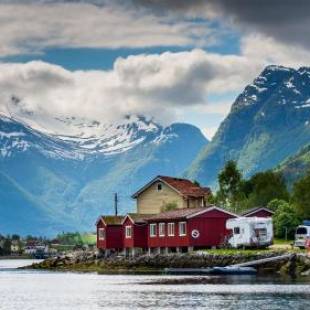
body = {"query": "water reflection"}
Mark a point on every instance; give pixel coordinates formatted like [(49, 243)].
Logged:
[(65, 291)]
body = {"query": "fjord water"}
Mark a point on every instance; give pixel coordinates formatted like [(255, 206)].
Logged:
[(32, 290)]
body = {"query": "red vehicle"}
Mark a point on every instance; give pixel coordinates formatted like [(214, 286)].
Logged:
[(186, 229)]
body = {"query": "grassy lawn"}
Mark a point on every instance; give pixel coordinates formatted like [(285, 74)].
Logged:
[(282, 242), (246, 252), (89, 239)]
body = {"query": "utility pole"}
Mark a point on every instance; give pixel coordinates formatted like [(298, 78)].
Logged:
[(115, 203)]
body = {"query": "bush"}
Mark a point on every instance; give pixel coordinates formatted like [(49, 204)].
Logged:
[(285, 221), (275, 204), (169, 206)]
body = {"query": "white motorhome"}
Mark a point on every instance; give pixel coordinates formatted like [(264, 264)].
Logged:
[(301, 235), (250, 232)]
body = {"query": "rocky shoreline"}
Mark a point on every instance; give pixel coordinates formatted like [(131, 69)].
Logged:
[(298, 264)]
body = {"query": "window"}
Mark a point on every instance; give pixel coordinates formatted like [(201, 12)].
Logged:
[(182, 229), (301, 231), (161, 229), (159, 186), (152, 230), (128, 232), (101, 233), (236, 230), (170, 229)]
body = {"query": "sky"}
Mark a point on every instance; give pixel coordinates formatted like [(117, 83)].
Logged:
[(173, 60)]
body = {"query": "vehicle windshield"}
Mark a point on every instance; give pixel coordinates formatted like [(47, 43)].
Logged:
[(301, 231)]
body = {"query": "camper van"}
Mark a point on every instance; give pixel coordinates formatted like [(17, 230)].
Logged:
[(301, 235), (250, 232)]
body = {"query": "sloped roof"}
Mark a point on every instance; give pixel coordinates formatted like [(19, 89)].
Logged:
[(184, 187), (111, 219), (256, 209), (186, 213), (138, 218)]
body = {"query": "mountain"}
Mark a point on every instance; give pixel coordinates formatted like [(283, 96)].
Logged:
[(296, 166), (53, 181), (269, 121)]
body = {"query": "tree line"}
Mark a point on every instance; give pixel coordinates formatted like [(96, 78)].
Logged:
[(267, 189)]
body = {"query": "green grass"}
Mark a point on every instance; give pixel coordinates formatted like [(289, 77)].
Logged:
[(89, 239), (283, 241), (246, 252)]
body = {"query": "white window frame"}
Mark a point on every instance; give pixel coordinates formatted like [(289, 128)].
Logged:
[(161, 229), (171, 229), (101, 233), (128, 231), (181, 234), (153, 233)]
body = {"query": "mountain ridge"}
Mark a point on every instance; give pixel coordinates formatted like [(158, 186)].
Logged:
[(64, 186), (271, 111)]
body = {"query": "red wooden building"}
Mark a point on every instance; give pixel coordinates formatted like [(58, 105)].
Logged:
[(135, 233), (186, 229), (110, 233), (258, 212)]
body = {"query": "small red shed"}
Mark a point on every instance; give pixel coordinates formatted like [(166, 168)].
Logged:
[(135, 233), (110, 232), (258, 212), (188, 228)]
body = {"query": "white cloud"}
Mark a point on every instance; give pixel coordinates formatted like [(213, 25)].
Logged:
[(266, 50), (154, 85), (31, 27), (163, 86)]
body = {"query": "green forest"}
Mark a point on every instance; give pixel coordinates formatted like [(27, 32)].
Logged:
[(267, 189)]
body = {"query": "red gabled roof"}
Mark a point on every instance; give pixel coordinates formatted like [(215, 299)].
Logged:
[(255, 210), (186, 213), (182, 186)]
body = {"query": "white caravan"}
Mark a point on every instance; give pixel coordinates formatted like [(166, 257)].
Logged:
[(250, 232), (302, 234)]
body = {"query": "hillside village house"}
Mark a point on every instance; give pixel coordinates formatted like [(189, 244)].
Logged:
[(156, 195), (183, 230), (173, 215), (135, 229), (110, 233)]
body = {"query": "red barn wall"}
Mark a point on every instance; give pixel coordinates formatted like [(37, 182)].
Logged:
[(128, 242), (114, 237), (140, 236), (211, 226), (167, 241)]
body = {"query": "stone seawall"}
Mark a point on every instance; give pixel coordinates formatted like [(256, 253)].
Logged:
[(89, 261)]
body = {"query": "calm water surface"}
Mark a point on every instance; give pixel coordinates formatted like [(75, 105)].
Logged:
[(28, 290)]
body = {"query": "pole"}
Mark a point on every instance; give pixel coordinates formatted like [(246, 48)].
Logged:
[(115, 204)]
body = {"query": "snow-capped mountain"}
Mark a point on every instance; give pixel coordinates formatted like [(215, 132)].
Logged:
[(55, 179), (90, 136), (269, 121)]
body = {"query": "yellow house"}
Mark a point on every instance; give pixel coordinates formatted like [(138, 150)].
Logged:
[(163, 193)]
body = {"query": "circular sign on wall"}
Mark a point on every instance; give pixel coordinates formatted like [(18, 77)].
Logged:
[(195, 233)]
